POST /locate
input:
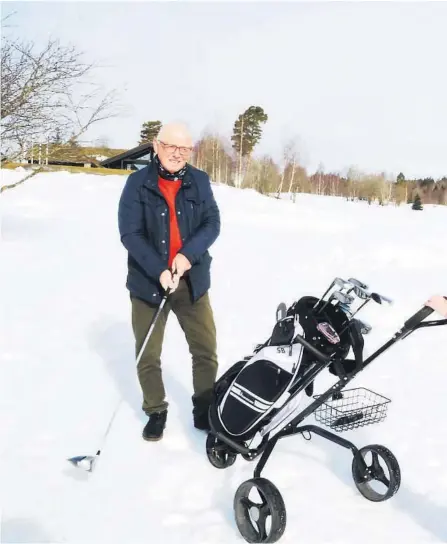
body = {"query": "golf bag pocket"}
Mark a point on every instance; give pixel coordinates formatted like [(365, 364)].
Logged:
[(252, 395)]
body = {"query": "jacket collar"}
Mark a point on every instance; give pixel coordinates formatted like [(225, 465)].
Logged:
[(152, 178)]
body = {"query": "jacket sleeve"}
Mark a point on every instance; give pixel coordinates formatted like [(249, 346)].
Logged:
[(131, 228), (208, 231)]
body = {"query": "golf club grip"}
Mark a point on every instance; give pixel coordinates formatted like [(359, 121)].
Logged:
[(419, 316), (320, 356)]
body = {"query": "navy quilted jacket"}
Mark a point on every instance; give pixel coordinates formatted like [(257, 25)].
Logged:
[(143, 220)]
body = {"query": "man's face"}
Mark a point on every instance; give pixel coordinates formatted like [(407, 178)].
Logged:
[(173, 150)]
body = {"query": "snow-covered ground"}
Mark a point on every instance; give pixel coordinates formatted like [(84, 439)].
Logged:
[(67, 359)]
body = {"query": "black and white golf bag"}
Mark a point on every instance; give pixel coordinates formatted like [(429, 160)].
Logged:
[(254, 394)]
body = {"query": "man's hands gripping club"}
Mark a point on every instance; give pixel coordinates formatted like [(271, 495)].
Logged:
[(169, 279)]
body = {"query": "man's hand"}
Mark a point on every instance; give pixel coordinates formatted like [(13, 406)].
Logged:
[(180, 265), (169, 280), (438, 303)]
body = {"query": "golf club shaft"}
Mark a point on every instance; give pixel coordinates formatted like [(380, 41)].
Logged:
[(152, 325), (149, 332)]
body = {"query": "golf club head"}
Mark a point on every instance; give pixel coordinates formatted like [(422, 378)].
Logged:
[(341, 283), (84, 462), (346, 309), (343, 298), (361, 293), (380, 298), (358, 283)]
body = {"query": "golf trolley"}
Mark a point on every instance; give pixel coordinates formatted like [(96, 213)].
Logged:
[(257, 401)]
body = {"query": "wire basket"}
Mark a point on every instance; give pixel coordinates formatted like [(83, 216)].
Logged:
[(352, 408)]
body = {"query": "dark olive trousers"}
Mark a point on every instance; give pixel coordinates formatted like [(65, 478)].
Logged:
[(197, 322)]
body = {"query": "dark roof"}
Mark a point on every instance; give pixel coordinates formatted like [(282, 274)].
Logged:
[(130, 154)]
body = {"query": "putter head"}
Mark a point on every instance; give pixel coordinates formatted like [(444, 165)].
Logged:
[(85, 462)]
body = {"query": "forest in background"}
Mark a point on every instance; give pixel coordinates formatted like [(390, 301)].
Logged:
[(234, 162), (45, 98)]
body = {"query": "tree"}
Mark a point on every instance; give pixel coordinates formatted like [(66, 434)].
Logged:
[(290, 165), (417, 204), (44, 92), (102, 141), (400, 193), (263, 175), (442, 191), (401, 190), (56, 138), (352, 184), (247, 133), (149, 131), (211, 155)]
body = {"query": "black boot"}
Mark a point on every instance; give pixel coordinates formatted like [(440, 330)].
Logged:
[(155, 426), (201, 405)]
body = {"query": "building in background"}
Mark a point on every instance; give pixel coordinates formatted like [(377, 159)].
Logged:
[(89, 157), (132, 159)]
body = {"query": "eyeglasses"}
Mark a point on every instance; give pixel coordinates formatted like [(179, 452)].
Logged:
[(171, 148)]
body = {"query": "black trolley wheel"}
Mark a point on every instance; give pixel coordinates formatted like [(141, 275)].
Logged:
[(219, 455), (375, 473), (259, 521)]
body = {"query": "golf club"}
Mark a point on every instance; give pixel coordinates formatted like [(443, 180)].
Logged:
[(87, 462)]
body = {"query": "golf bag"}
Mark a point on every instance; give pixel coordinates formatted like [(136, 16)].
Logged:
[(253, 390)]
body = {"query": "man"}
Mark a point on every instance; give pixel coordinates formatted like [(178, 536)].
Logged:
[(168, 218)]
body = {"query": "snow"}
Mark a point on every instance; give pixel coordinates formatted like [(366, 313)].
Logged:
[(67, 362)]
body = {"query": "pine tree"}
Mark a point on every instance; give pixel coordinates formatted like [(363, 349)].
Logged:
[(417, 204), (149, 131), (247, 133)]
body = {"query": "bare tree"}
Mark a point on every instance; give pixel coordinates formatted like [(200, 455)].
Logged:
[(290, 157), (293, 160), (47, 92), (212, 155)]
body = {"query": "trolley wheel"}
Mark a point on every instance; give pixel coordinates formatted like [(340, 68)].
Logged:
[(385, 485), (261, 520), (218, 453)]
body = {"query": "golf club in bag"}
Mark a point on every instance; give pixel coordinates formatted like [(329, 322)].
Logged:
[(87, 462)]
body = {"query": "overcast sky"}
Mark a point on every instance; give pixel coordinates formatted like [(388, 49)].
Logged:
[(360, 84)]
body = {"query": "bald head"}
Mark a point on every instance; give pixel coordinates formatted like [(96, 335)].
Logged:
[(173, 146), (175, 131)]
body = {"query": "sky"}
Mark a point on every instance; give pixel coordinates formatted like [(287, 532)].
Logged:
[(355, 84)]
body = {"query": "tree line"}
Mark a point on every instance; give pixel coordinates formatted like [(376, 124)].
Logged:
[(49, 95), (232, 161)]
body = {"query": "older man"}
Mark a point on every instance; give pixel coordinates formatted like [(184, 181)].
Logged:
[(168, 219)]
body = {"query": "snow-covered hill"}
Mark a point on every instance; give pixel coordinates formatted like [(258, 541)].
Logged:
[(67, 359)]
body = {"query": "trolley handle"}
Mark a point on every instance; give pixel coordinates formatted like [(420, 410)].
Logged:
[(418, 317)]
